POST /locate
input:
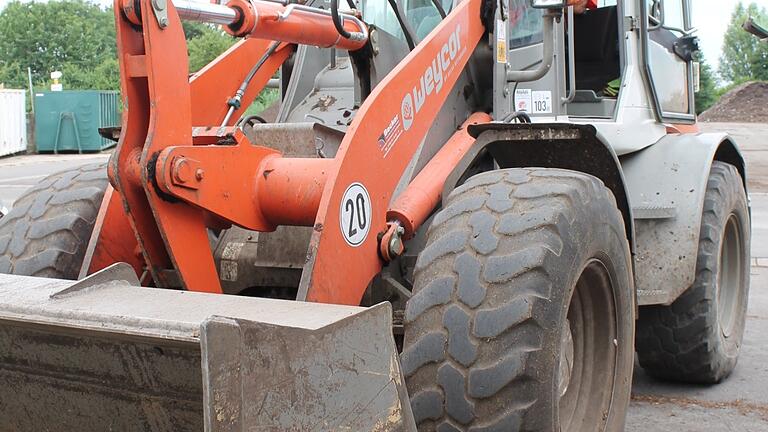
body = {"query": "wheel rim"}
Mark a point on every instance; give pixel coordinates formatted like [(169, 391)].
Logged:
[(588, 351), (729, 279)]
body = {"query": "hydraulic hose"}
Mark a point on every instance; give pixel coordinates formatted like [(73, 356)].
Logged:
[(234, 102), (439, 8), (337, 20)]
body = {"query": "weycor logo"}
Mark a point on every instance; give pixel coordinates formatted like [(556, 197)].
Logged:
[(432, 79)]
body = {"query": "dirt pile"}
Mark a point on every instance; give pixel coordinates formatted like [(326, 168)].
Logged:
[(747, 103)]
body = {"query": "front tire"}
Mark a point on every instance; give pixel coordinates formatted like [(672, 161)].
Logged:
[(523, 310), (47, 231), (697, 338)]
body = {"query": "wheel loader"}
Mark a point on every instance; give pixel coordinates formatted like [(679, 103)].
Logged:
[(468, 216)]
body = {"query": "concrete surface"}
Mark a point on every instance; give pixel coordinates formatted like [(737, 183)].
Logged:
[(738, 404), (18, 173), (752, 139)]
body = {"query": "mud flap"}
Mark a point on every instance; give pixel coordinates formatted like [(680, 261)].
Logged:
[(117, 357)]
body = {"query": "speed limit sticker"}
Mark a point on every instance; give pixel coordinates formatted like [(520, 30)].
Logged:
[(542, 102), (355, 214)]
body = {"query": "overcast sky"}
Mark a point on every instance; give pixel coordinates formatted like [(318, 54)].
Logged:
[(709, 16)]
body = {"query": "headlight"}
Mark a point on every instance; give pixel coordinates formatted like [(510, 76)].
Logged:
[(548, 4)]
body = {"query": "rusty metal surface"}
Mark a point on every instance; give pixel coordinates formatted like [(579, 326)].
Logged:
[(117, 357), (295, 379), (54, 379), (248, 259), (296, 139)]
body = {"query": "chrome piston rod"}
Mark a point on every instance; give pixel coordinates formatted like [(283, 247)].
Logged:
[(205, 12), (226, 15)]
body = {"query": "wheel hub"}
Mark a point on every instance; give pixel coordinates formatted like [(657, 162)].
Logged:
[(729, 281), (588, 352)]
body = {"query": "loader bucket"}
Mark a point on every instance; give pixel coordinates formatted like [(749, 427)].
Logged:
[(110, 356)]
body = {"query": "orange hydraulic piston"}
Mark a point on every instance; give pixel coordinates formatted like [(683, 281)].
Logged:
[(288, 190), (419, 199), (262, 19), (295, 23)]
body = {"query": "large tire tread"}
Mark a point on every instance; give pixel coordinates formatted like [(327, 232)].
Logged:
[(462, 317), (680, 342), (47, 230)]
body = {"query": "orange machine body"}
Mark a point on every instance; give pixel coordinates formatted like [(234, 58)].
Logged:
[(172, 180), (296, 23)]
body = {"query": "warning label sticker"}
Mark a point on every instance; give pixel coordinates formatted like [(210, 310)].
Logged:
[(501, 41), (533, 102), (523, 99)]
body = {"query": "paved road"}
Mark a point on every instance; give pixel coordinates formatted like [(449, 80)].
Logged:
[(18, 173), (741, 402), (738, 404)]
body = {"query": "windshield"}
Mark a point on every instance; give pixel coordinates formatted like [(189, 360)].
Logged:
[(525, 24), (422, 15)]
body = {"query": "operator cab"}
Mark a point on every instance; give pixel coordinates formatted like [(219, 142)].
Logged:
[(602, 59), (598, 62), (628, 76)]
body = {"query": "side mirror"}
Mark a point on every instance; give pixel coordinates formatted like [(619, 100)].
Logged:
[(686, 47), (754, 28), (548, 4)]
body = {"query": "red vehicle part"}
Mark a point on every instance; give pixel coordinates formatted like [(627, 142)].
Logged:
[(296, 23), (361, 161), (173, 183), (418, 201)]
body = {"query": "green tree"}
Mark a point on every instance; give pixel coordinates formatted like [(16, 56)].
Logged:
[(74, 36), (707, 95), (78, 38), (193, 29), (744, 57), (104, 76), (206, 46)]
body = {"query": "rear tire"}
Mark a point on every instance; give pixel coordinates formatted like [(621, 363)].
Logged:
[(523, 310), (48, 229), (697, 338)]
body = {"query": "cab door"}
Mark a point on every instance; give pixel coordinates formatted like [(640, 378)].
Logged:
[(667, 57)]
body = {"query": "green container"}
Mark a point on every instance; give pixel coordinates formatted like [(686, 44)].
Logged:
[(69, 121)]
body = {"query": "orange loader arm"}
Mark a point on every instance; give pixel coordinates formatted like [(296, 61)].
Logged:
[(173, 183)]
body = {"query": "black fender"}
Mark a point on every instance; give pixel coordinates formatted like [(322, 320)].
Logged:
[(546, 145)]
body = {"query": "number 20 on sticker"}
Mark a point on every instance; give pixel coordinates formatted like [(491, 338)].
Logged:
[(355, 214)]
